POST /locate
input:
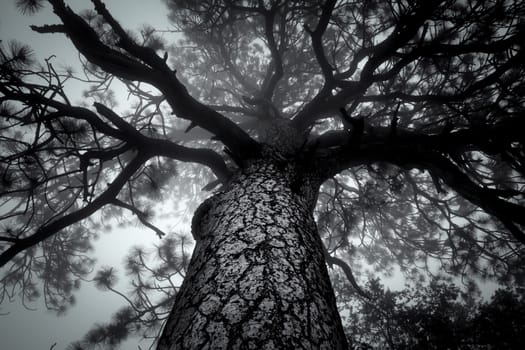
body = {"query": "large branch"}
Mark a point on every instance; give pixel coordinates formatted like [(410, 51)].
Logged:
[(411, 149), (317, 40), (154, 71), (126, 136), (207, 157), (325, 102), (377, 143), (433, 49), (405, 30), (124, 132), (148, 147)]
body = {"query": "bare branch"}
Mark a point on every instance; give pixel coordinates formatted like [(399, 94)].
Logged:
[(508, 213), (347, 271), (165, 148), (49, 28), (63, 110), (67, 220), (324, 103), (317, 40), (140, 215), (158, 74), (119, 122)]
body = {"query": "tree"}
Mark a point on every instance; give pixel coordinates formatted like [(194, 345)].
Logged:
[(438, 316), (330, 131)]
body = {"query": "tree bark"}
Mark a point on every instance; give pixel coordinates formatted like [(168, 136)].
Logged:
[(257, 278)]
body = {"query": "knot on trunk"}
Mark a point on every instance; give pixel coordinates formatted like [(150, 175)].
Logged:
[(200, 218)]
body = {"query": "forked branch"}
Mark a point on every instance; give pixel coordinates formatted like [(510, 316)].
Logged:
[(154, 71)]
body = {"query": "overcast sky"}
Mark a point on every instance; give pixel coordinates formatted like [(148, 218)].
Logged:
[(22, 329)]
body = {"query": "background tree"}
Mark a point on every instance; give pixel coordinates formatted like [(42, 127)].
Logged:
[(398, 123), (437, 316)]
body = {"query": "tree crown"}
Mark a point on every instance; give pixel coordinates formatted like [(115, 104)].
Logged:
[(410, 113)]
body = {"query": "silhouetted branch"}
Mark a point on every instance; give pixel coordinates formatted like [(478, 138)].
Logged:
[(67, 220), (119, 122), (49, 28), (355, 127), (166, 148), (140, 215), (348, 273), (508, 213), (87, 41), (317, 40)]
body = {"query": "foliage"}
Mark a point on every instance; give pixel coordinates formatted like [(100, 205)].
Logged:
[(438, 316)]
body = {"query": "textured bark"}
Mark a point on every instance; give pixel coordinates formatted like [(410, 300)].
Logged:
[(257, 278)]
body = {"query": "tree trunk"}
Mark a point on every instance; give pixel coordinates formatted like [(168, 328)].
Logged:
[(257, 278)]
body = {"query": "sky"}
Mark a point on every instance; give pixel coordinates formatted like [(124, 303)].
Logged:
[(23, 329)]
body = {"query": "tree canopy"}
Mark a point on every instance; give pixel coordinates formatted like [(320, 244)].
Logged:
[(413, 111), (437, 316)]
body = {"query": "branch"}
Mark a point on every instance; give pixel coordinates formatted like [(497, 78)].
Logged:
[(87, 41), (156, 73), (433, 98), (9, 239), (146, 54), (480, 47), (325, 103), (402, 33), (63, 110), (317, 40), (140, 215), (166, 148), (411, 149), (119, 122), (235, 109), (432, 49), (231, 66), (377, 144), (126, 132), (355, 126), (508, 213), (49, 28), (347, 271), (48, 230)]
